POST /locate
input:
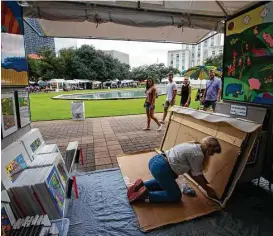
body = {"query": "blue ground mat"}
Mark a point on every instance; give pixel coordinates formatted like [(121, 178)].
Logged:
[(103, 209)]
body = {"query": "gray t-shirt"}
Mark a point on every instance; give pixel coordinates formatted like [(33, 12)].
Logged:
[(186, 157)]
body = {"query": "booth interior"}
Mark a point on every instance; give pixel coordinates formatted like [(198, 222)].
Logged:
[(41, 190)]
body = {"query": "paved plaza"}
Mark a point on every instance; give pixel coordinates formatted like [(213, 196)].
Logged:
[(102, 139)]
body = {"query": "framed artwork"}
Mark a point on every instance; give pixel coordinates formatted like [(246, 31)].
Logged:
[(23, 108), (248, 57), (9, 118)]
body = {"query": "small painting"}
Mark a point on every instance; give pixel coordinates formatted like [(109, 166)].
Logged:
[(6, 227), (15, 166), (23, 102), (9, 118), (35, 145), (56, 189)]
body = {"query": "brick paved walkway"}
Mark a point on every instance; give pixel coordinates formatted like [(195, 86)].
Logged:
[(102, 139)]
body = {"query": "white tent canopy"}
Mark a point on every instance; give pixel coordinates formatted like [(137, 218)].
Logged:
[(71, 82), (165, 21)]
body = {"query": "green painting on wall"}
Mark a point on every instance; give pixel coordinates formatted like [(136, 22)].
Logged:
[(248, 57)]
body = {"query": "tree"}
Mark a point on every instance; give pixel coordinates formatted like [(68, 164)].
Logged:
[(215, 61), (34, 69), (156, 71), (88, 63)]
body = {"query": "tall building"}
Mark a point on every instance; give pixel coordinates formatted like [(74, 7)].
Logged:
[(122, 57), (33, 42), (194, 55)]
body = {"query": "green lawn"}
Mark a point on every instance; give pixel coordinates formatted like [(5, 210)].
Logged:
[(44, 108)]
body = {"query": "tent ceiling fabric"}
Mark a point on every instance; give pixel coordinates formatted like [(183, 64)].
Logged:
[(164, 21)]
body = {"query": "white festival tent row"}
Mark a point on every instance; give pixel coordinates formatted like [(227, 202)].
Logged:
[(197, 84), (157, 21)]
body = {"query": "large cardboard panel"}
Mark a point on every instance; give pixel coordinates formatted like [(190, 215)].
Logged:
[(184, 128), (169, 140), (151, 216), (240, 167)]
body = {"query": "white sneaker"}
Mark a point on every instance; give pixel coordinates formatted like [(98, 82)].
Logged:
[(160, 127), (161, 121)]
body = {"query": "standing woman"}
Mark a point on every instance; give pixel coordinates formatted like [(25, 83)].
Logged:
[(151, 95), (185, 93)]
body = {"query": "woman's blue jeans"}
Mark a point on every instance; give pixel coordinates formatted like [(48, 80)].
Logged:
[(163, 188)]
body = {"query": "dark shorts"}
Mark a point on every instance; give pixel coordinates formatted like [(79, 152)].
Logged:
[(148, 105), (166, 105), (207, 104), (183, 102)]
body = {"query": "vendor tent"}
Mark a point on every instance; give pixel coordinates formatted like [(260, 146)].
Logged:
[(165, 21)]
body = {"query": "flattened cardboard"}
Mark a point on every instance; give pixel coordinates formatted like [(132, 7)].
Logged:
[(223, 171), (151, 216)]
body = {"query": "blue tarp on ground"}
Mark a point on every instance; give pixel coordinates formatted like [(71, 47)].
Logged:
[(103, 209)]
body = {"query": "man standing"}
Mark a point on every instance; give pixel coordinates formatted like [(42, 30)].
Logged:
[(171, 94), (212, 93)]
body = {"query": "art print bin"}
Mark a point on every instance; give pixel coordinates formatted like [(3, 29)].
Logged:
[(77, 110)]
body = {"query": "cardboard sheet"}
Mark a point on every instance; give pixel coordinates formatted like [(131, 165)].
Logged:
[(151, 216), (222, 170), (184, 128)]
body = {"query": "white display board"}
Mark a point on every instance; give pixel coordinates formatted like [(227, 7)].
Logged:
[(14, 159), (48, 159), (46, 148)]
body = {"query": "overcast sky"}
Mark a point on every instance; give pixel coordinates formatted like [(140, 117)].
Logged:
[(140, 53)]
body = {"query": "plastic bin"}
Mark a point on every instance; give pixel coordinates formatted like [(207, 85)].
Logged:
[(77, 110), (62, 225)]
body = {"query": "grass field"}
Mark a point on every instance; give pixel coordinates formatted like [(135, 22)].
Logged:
[(44, 108)]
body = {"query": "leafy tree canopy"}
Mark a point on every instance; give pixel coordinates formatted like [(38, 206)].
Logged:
[(88, 63), (215, 61)]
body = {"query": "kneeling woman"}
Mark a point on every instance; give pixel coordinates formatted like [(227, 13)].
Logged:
[(183, 158)]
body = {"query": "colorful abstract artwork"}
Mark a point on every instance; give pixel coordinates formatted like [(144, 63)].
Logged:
[(15, 167), (24, 112), (248, 59), (56, 189), (35, 145), (11, 18), (6, 227), (9, 119)]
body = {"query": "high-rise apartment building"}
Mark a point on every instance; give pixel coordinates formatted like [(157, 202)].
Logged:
[(33, 42), (194, 55)]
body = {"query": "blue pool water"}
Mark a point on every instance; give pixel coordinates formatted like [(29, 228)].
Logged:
[(122, 94)]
